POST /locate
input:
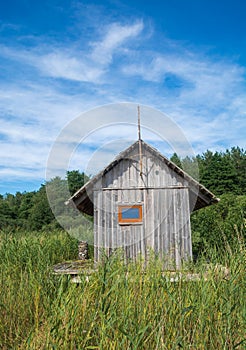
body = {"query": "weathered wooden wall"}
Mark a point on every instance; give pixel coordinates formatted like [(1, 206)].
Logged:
[(164, 195)]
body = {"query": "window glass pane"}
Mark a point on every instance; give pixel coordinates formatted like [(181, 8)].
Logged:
[(130, 213)]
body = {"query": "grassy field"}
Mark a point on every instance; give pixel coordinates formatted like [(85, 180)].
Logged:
[(119, 307)]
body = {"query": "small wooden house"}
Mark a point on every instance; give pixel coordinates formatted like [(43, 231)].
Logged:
[(142, 200)]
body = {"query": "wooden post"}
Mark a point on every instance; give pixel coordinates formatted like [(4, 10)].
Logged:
[(83, 250)]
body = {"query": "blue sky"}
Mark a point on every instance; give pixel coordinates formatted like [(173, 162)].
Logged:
[(59, 59)]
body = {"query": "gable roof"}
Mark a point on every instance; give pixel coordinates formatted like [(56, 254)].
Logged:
[(200, 196)]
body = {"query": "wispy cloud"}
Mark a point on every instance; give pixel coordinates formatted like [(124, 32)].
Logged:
[(77, 64), (204, 94), (53, 82), (116, 35), (61, 65), (197, 75)]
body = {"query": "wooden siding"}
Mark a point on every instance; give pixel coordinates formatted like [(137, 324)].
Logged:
[(168, 196), (164, 195), (155, 174), (165, 228)]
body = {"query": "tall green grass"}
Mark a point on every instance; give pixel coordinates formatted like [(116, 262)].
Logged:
[(27, 287), (120, 306)]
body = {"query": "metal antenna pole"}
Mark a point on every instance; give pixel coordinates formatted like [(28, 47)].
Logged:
[(140, 144)]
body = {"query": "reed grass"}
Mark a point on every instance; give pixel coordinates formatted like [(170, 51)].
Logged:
[(120, 306)]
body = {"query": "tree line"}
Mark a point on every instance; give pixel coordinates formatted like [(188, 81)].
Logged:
[(221, 226), (31, 210), (223, 173), (220, 172)]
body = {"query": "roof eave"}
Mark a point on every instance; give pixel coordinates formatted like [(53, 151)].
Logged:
[(200, 190)]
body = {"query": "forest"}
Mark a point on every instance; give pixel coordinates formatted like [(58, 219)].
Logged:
[(223, 173)]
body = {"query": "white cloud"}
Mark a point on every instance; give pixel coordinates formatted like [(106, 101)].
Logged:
[(202, 77), (60, 65), (208, 102), (115, 36), (82, 65), (210, 95), (86, 65), (24, 156), (24, 132)]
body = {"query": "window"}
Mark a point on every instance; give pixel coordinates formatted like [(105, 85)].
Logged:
[(128, 214)]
